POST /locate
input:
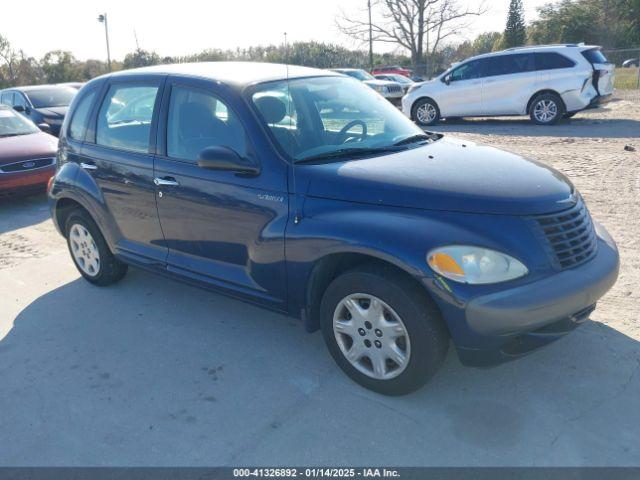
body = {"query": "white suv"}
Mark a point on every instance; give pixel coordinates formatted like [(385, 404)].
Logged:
[(392, 91), (546, 82)]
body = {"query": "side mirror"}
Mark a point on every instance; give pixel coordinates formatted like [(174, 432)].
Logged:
[(447, 79), (45, 127), (226, 159), (19, 108)]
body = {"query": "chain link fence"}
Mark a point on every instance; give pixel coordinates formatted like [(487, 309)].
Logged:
[(627, 62)]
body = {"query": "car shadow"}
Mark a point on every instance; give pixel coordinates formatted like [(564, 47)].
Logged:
[(22, 211), (581, 126), (154, 372)]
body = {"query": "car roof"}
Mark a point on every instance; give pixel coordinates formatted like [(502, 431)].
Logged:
[(30, 88), (239, 74), (579, 47)]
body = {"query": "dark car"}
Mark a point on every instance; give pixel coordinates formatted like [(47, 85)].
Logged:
[(27, 155), (631, 62), (305, 192), (45, 105)]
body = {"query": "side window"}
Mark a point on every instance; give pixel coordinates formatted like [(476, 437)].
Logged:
[(552, 61), (468, 71), (509, 64), (198, 120), (125, 117), (7, 98), (78, 125), (18, 99), (279, 112)]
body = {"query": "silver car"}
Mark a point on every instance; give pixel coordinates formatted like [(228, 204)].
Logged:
[(545, 82), (392, 91)]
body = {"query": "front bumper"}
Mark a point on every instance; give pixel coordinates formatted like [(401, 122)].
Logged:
[(519, 320), (26, 182)]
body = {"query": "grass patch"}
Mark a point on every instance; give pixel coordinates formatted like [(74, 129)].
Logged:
[(626, 78)]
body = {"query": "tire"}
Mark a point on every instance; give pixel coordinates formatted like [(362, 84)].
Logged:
[(425, 112), (89, 251), (423, 348), (546, 109)]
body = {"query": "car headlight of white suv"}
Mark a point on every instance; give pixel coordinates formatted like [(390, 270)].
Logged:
[(474, 265)]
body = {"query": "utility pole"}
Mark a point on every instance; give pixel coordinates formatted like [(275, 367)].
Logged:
[(370, 37), (103, 19)]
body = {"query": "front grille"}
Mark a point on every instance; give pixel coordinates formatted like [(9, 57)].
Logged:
[(395, 88), (568, 235), (26, 165)]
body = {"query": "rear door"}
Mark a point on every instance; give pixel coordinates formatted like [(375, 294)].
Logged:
[(118, 153), (508, 83), (462, 91), (603, 71)]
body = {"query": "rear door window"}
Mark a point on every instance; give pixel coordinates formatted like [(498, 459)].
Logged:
[(78, 126), (7, 98), (509, 64), (552, 61), (124, 121)]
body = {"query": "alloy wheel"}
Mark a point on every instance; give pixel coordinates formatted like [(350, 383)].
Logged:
[(84, 250), (545, 111)]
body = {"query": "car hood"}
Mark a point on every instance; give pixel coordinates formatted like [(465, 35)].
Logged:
[(449, 174), (27, 147), (380, 83), (53, 111)]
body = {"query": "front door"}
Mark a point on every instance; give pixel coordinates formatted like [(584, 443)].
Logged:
[(462, 92), (221, 227), (118, 156)]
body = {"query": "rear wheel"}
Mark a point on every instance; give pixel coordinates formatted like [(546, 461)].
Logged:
[(546, 109), (382, 330), (90, 252), (426, 112)]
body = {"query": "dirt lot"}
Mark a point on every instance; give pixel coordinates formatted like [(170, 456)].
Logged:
[(152, 372)]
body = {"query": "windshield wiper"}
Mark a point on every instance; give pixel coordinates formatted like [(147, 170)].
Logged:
[(420, 137), (347, 153)]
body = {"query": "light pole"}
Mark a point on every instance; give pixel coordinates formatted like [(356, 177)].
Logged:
[(103, 19), (370, 37)]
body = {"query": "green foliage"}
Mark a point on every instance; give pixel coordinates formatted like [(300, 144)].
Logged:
[(610, 23), (140, 58), (515, 34)]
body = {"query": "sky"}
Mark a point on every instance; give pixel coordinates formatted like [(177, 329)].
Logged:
[(190, 26)]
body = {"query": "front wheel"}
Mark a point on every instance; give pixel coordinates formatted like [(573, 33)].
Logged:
[(546, 109), (426, 112), (382, 330)]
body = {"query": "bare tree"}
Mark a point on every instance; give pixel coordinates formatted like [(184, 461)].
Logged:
[(9, 57), (419, 26)]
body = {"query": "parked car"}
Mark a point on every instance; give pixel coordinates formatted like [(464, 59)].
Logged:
[(392, 91), (76, 85), (545, 82), (631, 62), (27, 155), (393, 69), (238, 178), (405, 82), (45, 105)]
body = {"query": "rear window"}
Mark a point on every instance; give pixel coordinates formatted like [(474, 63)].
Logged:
[(595, 56), (80, 117), (552, 61)]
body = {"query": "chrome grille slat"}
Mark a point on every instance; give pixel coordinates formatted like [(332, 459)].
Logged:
[(33, 164), (569, 236)]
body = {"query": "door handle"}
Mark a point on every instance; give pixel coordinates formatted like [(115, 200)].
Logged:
[(88, 166), (165, 181)]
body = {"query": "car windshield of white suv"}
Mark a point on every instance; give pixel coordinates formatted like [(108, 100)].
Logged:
[(13, 124), (325, 118), (51, 97)]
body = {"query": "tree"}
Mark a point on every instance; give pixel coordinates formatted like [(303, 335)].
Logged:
[(61, 66), (418, 26), (140, 58), (515, 33)]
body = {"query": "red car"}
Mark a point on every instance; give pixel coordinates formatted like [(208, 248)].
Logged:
[(393, 69), (27, 154)]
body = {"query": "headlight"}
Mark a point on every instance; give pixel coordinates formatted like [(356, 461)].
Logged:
[(474, 265), (378, 88)]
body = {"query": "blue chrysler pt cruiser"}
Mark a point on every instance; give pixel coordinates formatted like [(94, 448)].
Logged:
[(306, 192)]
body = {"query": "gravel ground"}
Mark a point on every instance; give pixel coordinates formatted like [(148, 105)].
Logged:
[(154, 372)]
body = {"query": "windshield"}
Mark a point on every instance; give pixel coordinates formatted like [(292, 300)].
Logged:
[(51, 97), (12, 124), (401, 79), (358, 74), (325, 116)]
